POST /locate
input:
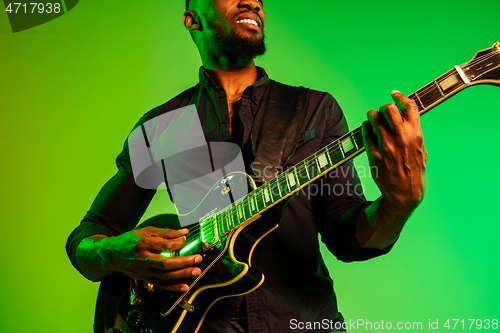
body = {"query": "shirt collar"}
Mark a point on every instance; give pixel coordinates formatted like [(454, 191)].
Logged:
[(207, 81)]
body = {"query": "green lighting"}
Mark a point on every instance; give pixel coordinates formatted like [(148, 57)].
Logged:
[(190, 246), (184, 249)]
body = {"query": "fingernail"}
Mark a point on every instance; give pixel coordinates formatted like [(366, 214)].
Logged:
[(195, 272), (394, 92), (184, 288), (198, 259)]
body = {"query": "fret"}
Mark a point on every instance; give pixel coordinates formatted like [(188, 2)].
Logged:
[(233, 219), (429, 95), (267, 194), (237, 213), (307, 171), (303, 176), (225, 226), (341, 149), (311, 168), (228, 216), (317, 164), (229, 219), (279, 187), (354, 140), (419, 104), (246, 208), (237, 216), (283, 184), (219, 224), (287, 183), (257, 208), (216, 225), (296, 175), (359, 138), (253, 203), (335, 153), (241, 210), (275, 195), (438, 88), (242, 207), (261, 204)]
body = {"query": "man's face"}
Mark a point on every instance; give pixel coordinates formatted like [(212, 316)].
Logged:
[(235, 26)]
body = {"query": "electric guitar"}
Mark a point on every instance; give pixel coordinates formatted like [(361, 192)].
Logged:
[(225, 229)]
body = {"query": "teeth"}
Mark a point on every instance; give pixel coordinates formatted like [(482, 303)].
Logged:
[(248, 21)]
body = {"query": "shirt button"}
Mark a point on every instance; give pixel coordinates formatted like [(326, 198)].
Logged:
[(225, 121)]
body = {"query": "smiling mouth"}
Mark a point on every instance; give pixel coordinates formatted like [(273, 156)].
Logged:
[(249, 21)]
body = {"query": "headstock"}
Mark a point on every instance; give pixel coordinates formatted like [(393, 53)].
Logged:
[(484, 67)]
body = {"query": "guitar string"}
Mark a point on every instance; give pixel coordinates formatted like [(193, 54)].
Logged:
[(426, 90), (245, 206), (430, 87), (482, 58), (278, 181), (331, 149), (244, 201)]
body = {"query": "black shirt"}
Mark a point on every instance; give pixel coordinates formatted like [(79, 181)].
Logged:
[(297, 285)]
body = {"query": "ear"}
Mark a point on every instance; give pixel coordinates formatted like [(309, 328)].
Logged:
[(190, 20)]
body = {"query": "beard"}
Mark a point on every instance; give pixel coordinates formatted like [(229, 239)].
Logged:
[(235, 44)]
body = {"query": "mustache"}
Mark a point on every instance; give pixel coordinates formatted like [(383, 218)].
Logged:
[(248, 11)]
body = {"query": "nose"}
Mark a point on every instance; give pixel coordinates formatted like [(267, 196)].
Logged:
[(252, 5)]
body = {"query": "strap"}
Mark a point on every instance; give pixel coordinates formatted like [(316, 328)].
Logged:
[(277, 126)]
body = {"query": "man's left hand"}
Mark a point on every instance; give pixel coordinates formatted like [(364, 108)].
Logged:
[(395, 146)]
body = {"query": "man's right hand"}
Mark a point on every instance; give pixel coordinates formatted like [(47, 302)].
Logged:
[(137, 254)]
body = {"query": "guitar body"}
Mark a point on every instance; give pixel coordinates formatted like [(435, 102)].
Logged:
[(128, 305)]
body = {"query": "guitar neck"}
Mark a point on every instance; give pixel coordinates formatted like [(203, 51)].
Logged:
[(335, 154), (440, 89)]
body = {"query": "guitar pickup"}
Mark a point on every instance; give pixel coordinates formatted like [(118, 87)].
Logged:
[(186, 306)]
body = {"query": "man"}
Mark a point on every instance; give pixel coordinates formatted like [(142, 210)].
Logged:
[(229, 34)]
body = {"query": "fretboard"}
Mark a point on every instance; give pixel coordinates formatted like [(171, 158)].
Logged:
[(323, 161)]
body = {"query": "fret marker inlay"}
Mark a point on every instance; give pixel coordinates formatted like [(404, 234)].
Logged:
[(266, 194), (448, 82), (322, 160), (347, 144)]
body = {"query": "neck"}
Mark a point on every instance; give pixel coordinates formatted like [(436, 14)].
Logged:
[(234, 75)]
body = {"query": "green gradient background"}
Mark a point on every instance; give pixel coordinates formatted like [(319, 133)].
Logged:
[(71, 90)]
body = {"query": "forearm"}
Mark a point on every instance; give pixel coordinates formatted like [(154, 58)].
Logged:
[(90, 259), (395, 147), (380, 224)]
